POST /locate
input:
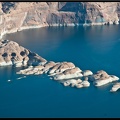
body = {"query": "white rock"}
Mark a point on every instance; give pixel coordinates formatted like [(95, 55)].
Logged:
[(79, 81), (66, 83), (115, 87), (79, 85), (68, 76), (5, 63), (102, 78), (87, 73), (102, 82), (114, 78), (85, 83)]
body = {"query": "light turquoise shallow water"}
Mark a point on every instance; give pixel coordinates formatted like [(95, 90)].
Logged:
[(93, 48)]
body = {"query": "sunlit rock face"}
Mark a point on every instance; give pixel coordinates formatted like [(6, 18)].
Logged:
[(115, 87), (101, 78), (11, 53), (16, 16)]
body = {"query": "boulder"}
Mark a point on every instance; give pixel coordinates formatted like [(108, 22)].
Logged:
[(87, 73), (61, 67), (68, 74), (102, 78), (115, 87)]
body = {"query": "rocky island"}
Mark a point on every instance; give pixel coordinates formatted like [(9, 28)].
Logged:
[(11, 53)]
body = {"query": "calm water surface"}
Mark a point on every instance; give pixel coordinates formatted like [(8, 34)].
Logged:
[(94, 48)]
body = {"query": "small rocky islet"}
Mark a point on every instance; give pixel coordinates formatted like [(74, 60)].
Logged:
[(11, 53)]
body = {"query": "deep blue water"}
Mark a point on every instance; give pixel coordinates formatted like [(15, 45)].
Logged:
[(92, 47)]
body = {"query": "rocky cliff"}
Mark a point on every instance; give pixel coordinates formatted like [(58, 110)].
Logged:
[(15, 16)]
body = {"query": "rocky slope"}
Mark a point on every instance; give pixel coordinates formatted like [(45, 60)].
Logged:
[(15, 16)]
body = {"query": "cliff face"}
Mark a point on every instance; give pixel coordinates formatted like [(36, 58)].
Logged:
[(15, 16)]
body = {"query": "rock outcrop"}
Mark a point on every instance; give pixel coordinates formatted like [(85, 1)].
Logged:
[(16, 16), (102, 78), (115, 87), (11, 53)]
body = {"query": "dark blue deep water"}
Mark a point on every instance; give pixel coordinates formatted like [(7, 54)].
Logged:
[(92, 47)]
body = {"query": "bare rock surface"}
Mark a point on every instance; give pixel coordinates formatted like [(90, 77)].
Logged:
[(115, 87), (16, 16), (11, 53), (102, 78)]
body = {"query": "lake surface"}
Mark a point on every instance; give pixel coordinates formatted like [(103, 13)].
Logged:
[(91, 47)]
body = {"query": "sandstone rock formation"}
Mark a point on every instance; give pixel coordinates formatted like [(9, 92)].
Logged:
[(102, 78), (78, 83), (11, 53), (15, 16), (70, 73), (115, 87)]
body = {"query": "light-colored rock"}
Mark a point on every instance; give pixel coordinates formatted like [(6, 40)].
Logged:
[(116, 22), (85, 83), (66, 83), (54, 68), (79, 85), (73, 71), (17, 16), (48, 65), (62, 76), (65, 65), (69, 82), (87, 73), (102, 78), (79, 81), (61, 67), (115, 87), (114, 78), (11, 53)]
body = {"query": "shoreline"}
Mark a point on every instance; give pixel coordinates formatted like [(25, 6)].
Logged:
[(53, 25)]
